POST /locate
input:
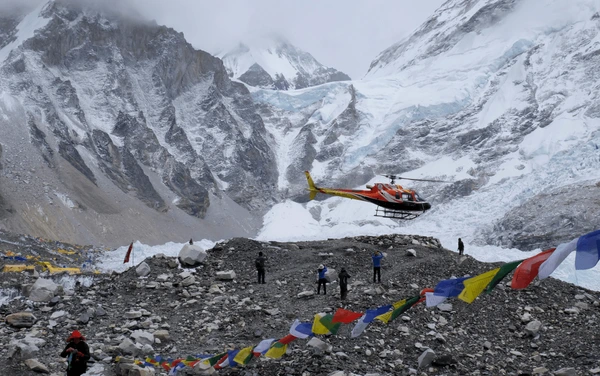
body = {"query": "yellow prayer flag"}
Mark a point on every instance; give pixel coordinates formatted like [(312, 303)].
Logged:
[(244, 355), (388, 315), (276, 351), (475, 286), (317, 327)]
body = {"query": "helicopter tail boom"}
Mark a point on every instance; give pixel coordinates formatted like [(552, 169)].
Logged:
[(311, 186)]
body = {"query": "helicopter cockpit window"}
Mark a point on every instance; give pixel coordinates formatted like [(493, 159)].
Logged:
[(419, 198), (406, 197)]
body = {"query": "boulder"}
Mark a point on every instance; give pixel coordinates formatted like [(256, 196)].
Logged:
[(533, 327), (426, 358), (305, 294), (320, 345), (226, 275), (25, 348), (142, 269), (36, 366), (162, 335), (191, 255), (203, 369), (129, 348), (20, 320), (330, 275), (143, 337), (43, 290)]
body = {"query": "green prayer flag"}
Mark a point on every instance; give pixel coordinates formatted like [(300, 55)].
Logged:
[(503, 272)]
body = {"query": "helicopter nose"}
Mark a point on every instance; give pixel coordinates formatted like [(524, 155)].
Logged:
[(426, 206)]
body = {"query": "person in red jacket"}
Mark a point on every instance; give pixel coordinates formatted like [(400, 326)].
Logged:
[(77, 353)]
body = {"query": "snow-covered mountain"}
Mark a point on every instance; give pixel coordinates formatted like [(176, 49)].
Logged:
[(498, 96), (272, 62), (113, 127)]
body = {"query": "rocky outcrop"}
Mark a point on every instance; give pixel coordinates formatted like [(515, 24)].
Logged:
[(574, 211)]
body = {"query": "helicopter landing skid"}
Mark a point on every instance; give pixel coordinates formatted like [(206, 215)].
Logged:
[(396, 214)]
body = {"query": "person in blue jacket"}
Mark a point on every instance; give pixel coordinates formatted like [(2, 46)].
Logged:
[(322, 280), (377, 256)]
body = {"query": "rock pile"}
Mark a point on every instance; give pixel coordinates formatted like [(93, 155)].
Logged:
[(162, 308)]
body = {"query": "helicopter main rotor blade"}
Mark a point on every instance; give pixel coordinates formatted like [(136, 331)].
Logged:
[(435, 181)]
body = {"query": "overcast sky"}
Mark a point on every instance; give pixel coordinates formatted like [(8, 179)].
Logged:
[(344, 34)]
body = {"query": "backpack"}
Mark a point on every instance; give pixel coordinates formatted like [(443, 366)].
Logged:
[(260, 263)]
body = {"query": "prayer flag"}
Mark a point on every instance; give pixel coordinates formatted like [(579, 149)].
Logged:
[(287, 339), (367, 318), (301, 330), (556, 258), (503, 272), (433, 300), (388, 315), (405, 307), (244, 356), (475, 286), (277, 350), (326, 321), (263, 346), (128, 253), (215, 359), (450, 288), (528, 270), (317, 327), (344, 316), (588, 251)]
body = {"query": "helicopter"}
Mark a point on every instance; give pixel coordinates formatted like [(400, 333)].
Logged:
[(392, 200)]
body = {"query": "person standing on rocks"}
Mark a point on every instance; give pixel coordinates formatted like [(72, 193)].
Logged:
[(77, 353), (343, 277), (260, 267), (377, 256), (461, 247), (322, 279)]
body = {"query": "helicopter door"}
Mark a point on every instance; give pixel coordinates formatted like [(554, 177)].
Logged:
[(406, 197)]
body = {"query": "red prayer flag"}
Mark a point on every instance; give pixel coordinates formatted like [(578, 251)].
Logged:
[(528, 270), (128, 253), (344, 316), (287, 339)]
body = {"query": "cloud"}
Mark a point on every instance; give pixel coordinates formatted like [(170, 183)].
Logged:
[(344, 34), (17, 6)]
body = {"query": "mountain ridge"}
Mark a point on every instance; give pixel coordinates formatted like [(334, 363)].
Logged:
[(273, 62)]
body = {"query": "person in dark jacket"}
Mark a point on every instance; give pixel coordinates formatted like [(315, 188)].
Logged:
[(461, 247), (260, 267), (377, 256), (343, 277), (322, 280), (77, 353)]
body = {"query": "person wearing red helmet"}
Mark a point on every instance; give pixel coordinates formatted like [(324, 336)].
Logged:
[(77, 353)]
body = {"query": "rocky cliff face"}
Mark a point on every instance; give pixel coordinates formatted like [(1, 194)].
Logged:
[(130, 105), (274, 63)]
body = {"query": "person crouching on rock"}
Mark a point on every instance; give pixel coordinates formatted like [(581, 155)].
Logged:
[(77, 353), (322, 280)]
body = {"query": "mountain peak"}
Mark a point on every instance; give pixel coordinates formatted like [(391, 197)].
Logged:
[(271, 61)]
